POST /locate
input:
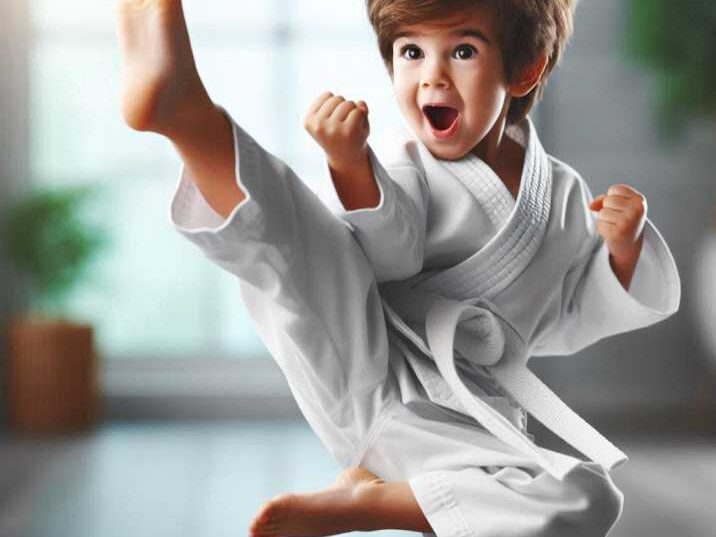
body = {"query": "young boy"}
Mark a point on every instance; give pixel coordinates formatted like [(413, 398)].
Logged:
[(403, 322)]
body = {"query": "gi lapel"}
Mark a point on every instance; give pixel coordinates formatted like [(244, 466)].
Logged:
[(510, 251)]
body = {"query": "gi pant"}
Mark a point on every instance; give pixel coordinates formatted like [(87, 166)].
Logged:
[(312, 295)]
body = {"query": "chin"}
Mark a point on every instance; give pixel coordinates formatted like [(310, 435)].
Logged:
[(447, 153)]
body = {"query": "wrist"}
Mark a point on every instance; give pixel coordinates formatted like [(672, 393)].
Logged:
[(346, 163), (354, 182), (193, 112), (624, 261), (628, 256), (624, 265)]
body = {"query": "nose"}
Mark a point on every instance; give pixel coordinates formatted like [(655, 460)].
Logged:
[(434, 74)]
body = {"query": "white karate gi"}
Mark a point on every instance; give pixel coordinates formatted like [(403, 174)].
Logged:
[(404, 330)]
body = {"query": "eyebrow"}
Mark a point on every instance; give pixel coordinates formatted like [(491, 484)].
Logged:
[(467, 32)]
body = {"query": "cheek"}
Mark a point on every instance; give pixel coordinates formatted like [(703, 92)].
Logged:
[(489, 96), (405, 95)]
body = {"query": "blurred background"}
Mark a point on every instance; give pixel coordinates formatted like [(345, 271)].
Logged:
[(192, 426)]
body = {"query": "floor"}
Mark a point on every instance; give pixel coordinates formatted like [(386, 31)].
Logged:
[(209, 479)]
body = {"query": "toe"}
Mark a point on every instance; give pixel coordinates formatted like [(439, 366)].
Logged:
[(279, 505), (274, 510), (261, 520), (255, 528)]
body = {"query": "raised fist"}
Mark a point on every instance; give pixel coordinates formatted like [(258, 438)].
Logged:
[(340, 127), (620, 221)]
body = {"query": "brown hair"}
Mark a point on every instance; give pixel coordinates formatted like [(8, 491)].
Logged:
[(525, 29)]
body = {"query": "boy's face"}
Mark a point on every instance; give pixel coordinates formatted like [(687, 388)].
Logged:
[(449, 81)]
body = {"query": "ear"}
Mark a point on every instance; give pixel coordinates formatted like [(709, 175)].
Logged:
[(529, 77)]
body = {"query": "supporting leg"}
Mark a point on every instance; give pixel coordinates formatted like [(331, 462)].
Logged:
[(357, 501)]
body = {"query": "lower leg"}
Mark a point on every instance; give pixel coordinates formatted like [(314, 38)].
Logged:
[(357, 501), (163, 93)]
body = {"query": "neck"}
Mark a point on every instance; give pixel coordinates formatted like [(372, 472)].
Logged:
[(490, 148), (502, 154)]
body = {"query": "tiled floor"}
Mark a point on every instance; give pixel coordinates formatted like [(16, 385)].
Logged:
[(209, 479)]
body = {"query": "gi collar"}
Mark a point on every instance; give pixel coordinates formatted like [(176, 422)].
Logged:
[(496, 265)]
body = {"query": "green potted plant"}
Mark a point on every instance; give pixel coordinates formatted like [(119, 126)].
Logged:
[(51, 370), (677, 41)]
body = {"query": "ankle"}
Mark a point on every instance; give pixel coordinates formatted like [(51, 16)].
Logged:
[(379, 502), (391, 505), (189, 112)]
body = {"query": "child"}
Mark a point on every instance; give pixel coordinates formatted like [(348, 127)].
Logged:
[(403, 322)]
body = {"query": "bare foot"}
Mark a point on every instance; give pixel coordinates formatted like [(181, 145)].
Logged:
[(340, 508), (356, 476), (160, 83)]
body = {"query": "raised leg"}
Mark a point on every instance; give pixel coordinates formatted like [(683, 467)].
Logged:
[(306, 282), (162, 93), (304, 279)]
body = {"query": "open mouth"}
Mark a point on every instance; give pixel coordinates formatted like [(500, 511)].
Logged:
[(441, 118)]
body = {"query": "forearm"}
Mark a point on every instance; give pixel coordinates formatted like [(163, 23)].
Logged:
[(624, 267), (354, 183)]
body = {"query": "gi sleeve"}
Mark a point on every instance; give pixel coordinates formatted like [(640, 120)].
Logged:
[(595, 305), (306, 285), (303, 278), (392, 234)]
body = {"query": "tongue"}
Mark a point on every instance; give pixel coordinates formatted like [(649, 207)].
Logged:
[(440, 117)]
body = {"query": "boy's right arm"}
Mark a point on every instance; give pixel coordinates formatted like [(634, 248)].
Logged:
[(386, 213), (392, 231)]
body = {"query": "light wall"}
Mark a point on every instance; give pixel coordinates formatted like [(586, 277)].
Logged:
[(597, 116), (14, 86)]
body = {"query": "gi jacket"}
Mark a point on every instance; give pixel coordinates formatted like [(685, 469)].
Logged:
[(474, 283)]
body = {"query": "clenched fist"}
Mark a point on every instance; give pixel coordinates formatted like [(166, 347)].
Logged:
[(621, 218), (340, 127)]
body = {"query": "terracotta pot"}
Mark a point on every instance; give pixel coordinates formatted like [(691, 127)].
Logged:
[(52, 376)]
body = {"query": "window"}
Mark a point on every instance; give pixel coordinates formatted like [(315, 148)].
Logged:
[(153, 293)]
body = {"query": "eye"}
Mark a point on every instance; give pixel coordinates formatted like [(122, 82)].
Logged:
[(465, 52), (410, 52)]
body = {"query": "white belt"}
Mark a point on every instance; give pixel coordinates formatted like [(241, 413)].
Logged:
[(485, 339)]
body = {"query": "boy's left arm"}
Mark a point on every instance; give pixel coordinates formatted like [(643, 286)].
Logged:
[(620, 222), (626, 278)]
